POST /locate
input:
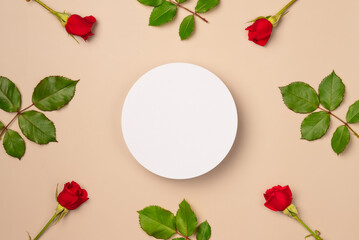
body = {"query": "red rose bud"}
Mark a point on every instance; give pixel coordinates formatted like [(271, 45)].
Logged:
[(74, 24), (260, 31), (278, 198), (80, 26), (72, 196)]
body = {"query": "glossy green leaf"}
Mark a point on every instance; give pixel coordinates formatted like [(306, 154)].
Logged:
[(300, 97), (204, 231), (315, 125), (186, 27), (157, 222), (186, 220), (153, 3), (1, 126), (353, 113), (53, 92), (37, 127), (163, 14), (14, 144), (10, 97), (340, 139), (331, 91), (178, 239), (205, 5), (181, 1)]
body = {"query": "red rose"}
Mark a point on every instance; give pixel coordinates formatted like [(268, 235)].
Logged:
[(278, 198), (260, 31), (79, 26), (72, 196)]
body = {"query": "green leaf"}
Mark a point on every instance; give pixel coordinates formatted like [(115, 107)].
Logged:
[(181, 1), (300, 97), (205, 5), (163, 14), (10, 97), (14, 144), (37, 127), (178, 239), (315, 125), (53, 92), (157, 222), (153, 3), (1, 125), (203, 231), (186, 27), (340, 139), (186, 220), (353, 113), (331, 91)]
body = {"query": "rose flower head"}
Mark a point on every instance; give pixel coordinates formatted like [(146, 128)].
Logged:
[(261, 29)]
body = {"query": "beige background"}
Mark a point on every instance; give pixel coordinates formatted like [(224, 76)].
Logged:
[(313, 39)]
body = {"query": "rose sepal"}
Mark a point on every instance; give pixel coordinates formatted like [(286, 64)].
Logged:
[(274, 20), (62, 17), (61, 212), (267, 17), (290, 210)]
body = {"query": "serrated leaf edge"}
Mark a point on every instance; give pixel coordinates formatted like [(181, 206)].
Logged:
[(162, 14), (52, 140), (6, 132), (17, 109), (331, 143), (333, 72), (74, 82), (280, 88), (200, 11), (139, 220), (184, 200), (186, 27), (320, 120)]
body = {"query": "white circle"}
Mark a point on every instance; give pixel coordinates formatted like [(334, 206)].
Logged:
[(179, 120)]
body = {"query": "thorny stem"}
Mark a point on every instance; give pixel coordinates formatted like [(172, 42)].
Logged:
[(12, 120), (312, 233), (194, 13), (344, 122)]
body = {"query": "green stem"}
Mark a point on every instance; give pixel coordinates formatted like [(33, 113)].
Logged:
[(46, 7), (283, 9), (310, 230), (47, 225), (186, 238), (12, 120), (194, 13), (344, 122)]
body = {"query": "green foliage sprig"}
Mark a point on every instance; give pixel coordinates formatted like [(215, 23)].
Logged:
[(164, 12), (52, 93), (163, 224), (302, 98)]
